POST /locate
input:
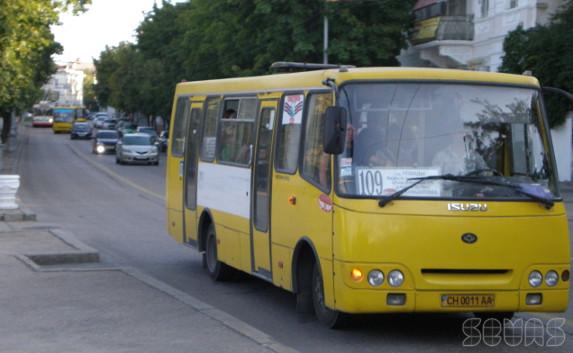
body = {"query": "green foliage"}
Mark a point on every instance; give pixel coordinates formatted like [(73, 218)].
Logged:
[(90, 101), (209, 39), (26, 47), (547, 51)]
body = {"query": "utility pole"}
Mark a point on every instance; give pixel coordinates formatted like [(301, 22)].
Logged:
[(325, 41)]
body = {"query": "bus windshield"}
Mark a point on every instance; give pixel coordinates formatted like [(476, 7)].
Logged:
[(63, 115), (401, 131), (42, 112)]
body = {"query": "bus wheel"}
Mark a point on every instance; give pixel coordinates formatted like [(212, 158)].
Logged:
[(217, 270), (499, 316), (330, 318)]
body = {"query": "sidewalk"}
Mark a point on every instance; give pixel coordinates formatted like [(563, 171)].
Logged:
[(55, 298)]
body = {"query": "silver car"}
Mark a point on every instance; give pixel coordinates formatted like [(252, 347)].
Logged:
[(137, 148)]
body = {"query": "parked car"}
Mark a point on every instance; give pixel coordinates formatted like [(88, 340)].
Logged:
[(163, 140), (137, 148), (81, 130), (105, 141), (109, 124)]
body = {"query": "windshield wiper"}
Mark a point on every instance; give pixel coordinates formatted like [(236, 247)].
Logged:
[(532, 191)]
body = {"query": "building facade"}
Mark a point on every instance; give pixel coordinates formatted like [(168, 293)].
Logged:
[(66, 86), (469, 34)]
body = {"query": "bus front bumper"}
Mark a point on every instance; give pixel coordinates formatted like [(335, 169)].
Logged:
[(352, 300)]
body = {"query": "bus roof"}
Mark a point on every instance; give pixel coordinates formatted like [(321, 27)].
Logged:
[(314, 79)]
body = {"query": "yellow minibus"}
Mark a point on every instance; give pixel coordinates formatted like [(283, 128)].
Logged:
[(64, 118), (373, 190)]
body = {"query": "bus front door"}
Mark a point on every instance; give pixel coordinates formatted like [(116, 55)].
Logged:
[(261, 210), (190, 174)]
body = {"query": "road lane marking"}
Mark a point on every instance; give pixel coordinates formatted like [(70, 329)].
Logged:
[(115, 175)]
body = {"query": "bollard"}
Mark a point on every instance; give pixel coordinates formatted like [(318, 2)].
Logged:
[(8, 188)]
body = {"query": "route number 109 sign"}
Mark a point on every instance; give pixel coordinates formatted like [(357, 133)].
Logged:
[(385, 181)]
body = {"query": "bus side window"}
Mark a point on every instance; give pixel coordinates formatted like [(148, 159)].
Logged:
[(236, 135), (288, 138), (316, 163), (178, 138), (209, 144)]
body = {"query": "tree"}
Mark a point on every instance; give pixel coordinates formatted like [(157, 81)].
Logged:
[(27, 45), (209, 39), (548, 53), (90, 100)]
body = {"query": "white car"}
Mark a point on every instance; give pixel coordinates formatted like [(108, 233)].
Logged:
[(137, 148), (99, 119)]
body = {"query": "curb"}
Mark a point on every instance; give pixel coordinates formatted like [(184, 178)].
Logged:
[(224, 318), (85, 254), (21, 214)]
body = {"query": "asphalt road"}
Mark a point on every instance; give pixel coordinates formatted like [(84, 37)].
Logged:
[(119, 211)]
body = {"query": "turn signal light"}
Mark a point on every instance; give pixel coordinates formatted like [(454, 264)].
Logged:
[(356, 275)]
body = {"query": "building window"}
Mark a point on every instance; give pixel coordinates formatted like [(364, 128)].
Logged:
[(456, 8), (316, 163), (513, 4), (484, 8)]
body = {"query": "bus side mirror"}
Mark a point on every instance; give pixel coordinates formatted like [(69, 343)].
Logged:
[(334, 130), (560, 91)]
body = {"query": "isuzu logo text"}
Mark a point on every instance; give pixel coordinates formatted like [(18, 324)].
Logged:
[(467, 207)]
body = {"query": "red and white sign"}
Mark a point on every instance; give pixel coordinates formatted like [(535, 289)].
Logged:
[(325, 203), (292, 109)]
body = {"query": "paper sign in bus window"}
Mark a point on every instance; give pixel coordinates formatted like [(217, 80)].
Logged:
[(385, 181), (292, 109)]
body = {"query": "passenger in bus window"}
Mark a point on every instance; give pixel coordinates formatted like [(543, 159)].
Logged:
[(230, 114), (370, 145), (228, 150)]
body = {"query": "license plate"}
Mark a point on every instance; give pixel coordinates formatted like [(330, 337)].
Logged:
[(468, 300)]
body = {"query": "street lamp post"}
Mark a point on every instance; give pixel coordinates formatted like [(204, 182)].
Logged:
[(325, 41), (325, 30)]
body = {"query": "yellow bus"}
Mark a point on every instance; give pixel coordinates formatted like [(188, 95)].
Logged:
[(373, 190), (64, 118)]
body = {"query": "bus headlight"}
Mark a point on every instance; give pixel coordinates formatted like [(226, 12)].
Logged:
[(535, 278), (375, 278), (395, 278), (551, 278), (100, 149)]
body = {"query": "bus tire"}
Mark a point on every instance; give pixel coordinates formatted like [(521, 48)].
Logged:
[(217, 270), (326, 316)]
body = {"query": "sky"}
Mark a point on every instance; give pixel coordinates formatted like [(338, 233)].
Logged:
[(107, 22)]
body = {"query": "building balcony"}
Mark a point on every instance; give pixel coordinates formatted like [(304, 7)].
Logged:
[(442, 28)]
